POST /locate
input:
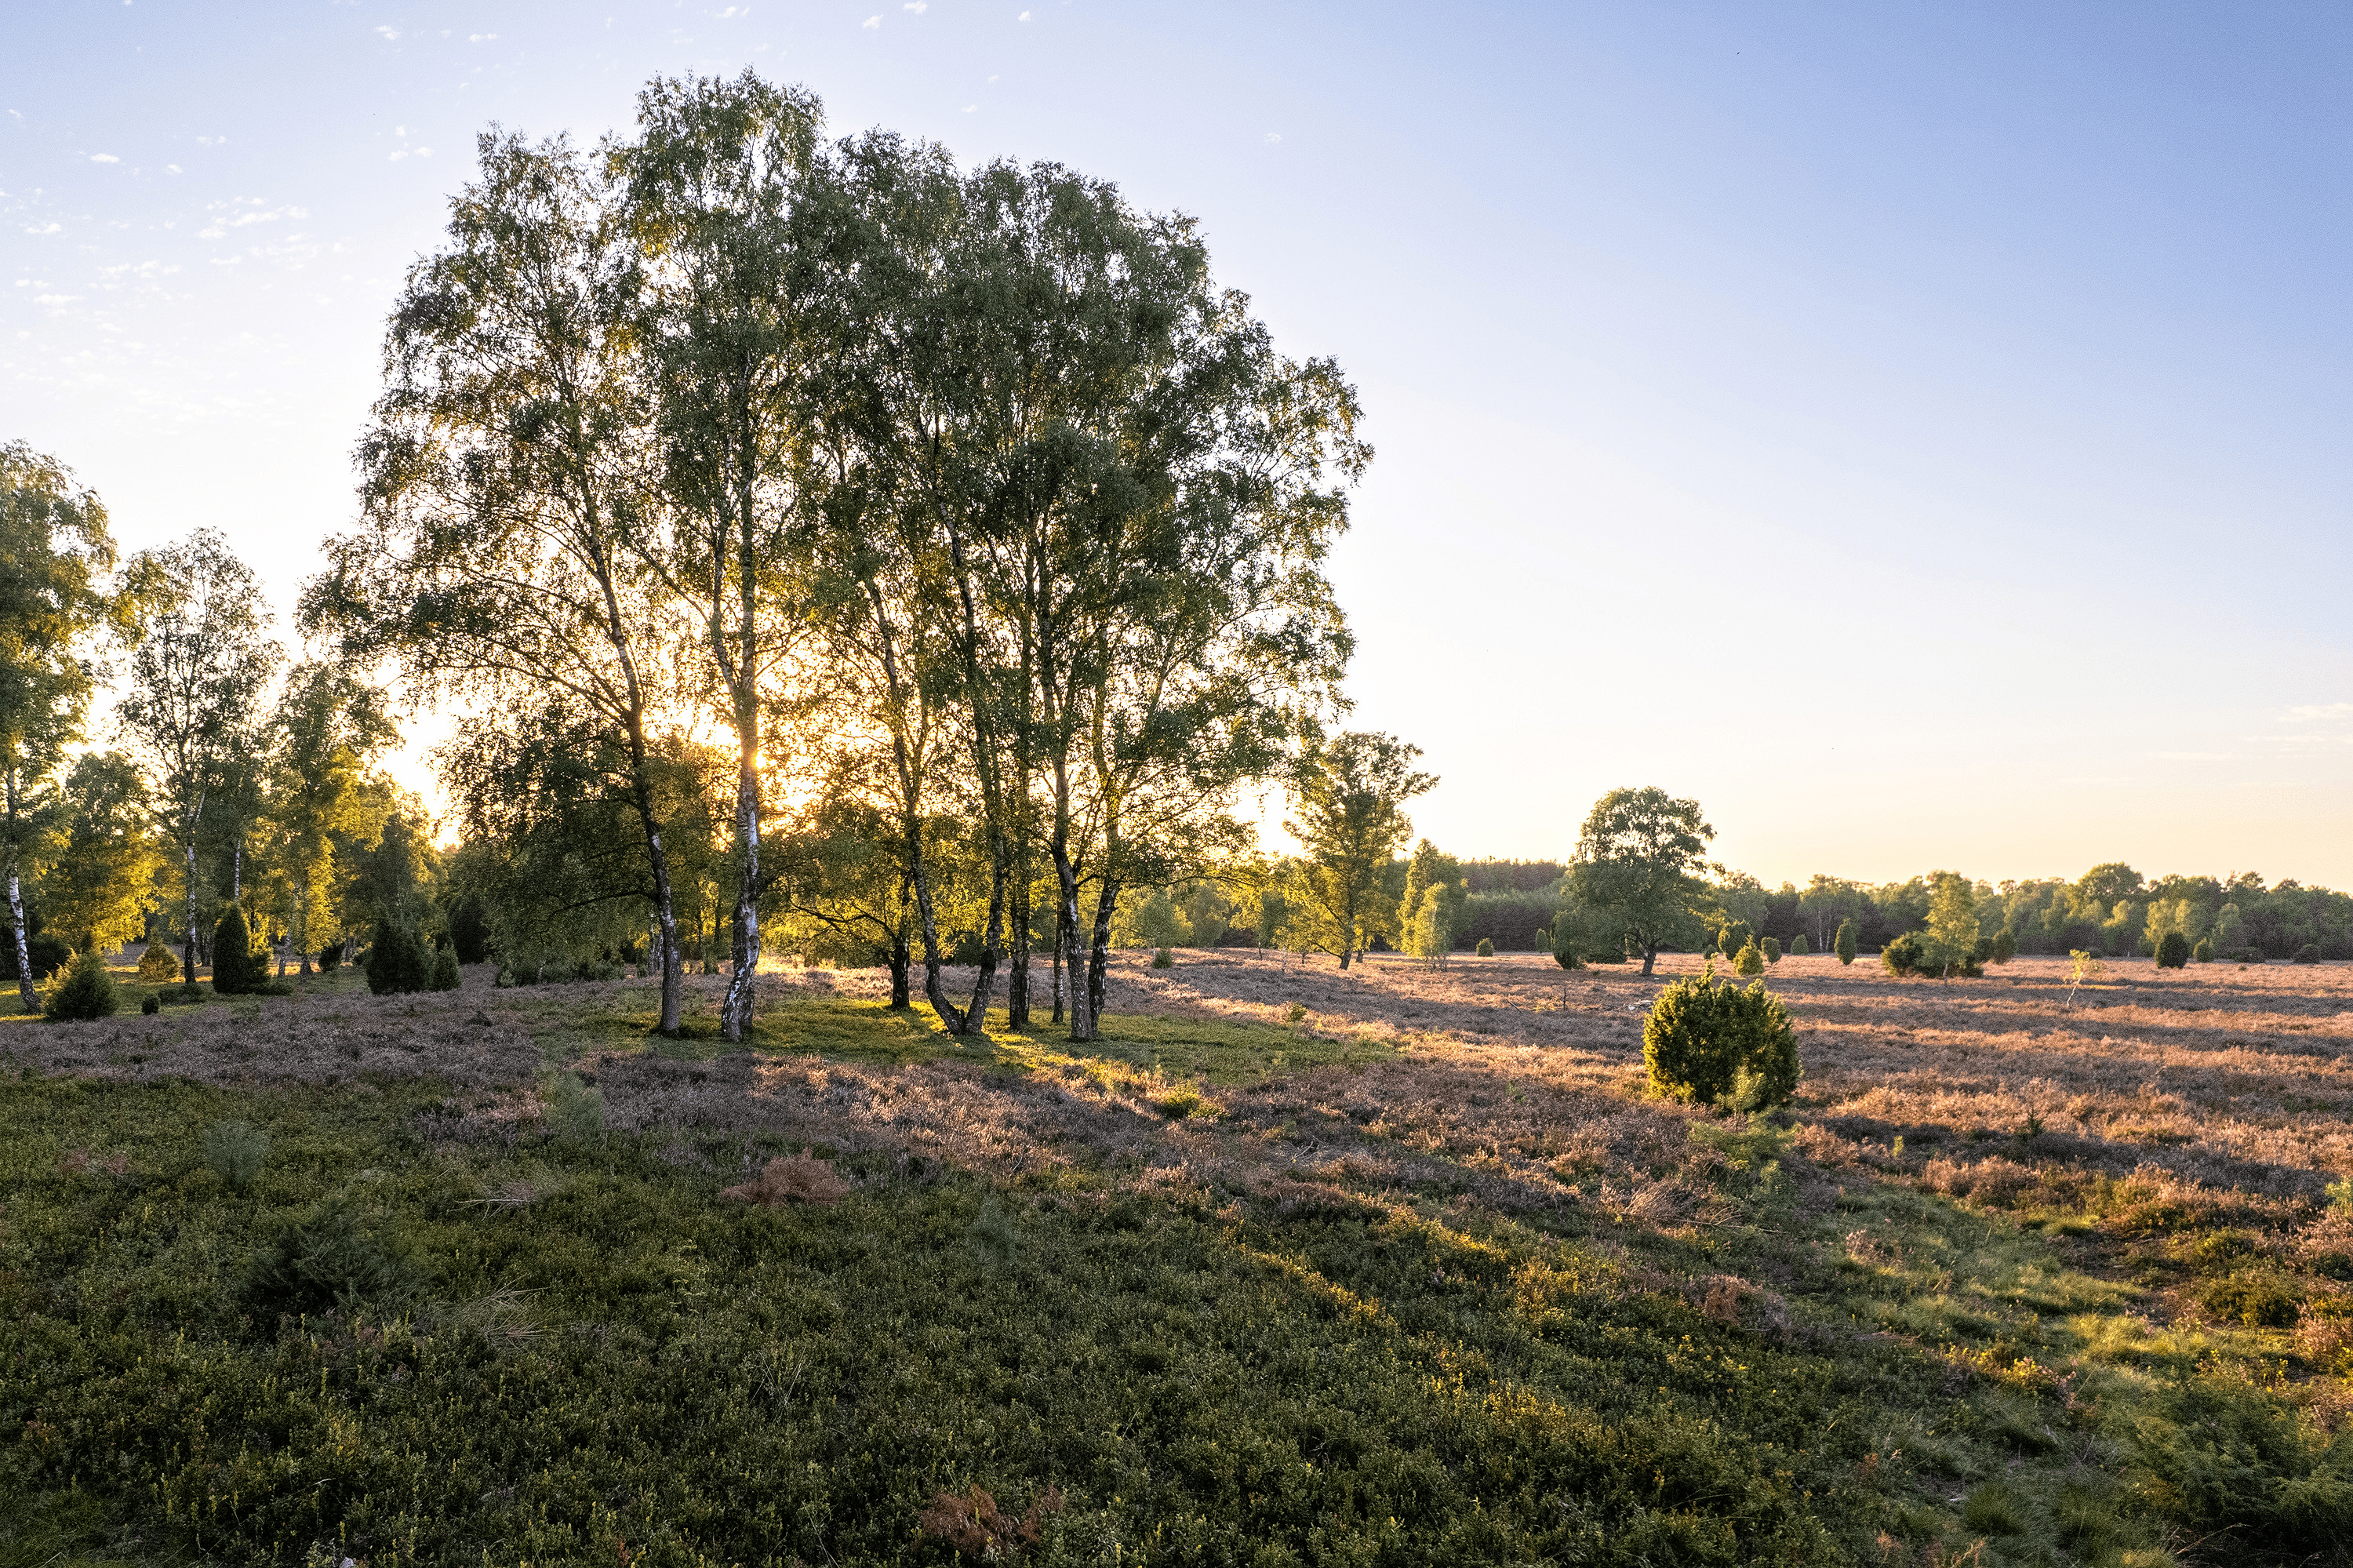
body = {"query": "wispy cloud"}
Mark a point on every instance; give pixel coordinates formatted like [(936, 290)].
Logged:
[(481, 37), (388, 34), (917, 6), (171, 168), (2321, 712), (104, 158), (1023, 17), (1275, 136), (211, 140), (871, 22), (45, 229)]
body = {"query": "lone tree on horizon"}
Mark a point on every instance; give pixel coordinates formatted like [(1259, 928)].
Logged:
[(1640, 867)]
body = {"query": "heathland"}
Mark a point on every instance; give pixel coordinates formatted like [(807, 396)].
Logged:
[(1293, 1265)]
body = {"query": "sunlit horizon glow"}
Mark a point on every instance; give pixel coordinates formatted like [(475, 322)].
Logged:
[(1917, 437)]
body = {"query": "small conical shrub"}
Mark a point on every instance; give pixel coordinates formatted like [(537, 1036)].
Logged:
[(159, 963), (330, 958), (2005, 945), (396, 961), (1736, 935), (87, 991), (1749, 960), (445, 970), (1845, 945), (1486, 948), (236, 968), (2172, 951), (1800, 947), (1772, 946), (470, 930), (2203, 953)]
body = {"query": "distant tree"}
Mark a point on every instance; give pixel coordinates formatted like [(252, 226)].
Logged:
[(1951, 937), (1437, 877), (396, 960), (1844, 947), (95, 889), (2203, 953), (1800, 947), (327, 727), (2005, 945), (199, 657), (1732, 936), (2172, 951), (1772, 946), (236, 967), (54, 549), (1640, 867), (1426, 936), (1351, 825)]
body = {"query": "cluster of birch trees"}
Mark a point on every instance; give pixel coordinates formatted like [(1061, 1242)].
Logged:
[(962, 511)]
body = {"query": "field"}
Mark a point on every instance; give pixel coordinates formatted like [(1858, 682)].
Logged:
[(1397, 1265)]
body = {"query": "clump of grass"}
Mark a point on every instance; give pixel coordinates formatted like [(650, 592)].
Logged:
[(1180, 1102), (572, 1109), (235, 1150), (327, 1258)]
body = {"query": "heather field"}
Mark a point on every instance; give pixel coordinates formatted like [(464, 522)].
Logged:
[(1394, 1265)]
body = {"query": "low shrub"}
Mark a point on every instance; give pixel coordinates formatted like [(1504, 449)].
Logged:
[(2222, 1457), (1734, 936), (2307, 954), (330, 958), (235, 1150), (1749, 960), (151, 1004), (45, 954), (2005, 945), (87, 991), (158, 963), (1704, 1034), (2173, 951), (470, 929), (396, 961), (2258, 1300), (1486, 949), (1163, 960), (1844, 944), (325, 1258), (1772, 946), (445, 972), (1799, 947), (1902, 956)]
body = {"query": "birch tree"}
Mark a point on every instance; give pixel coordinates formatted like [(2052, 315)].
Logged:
[(54, 553), (200, 653), (494, 559)]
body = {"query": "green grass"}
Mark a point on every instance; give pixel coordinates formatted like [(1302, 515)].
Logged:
[(408, 1351), (621, 1359)]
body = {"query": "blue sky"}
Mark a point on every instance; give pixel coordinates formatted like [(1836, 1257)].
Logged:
[(1919, 433)]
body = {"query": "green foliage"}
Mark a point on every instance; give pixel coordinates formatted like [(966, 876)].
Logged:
[(159, 963), (2307, 954), (1638, 859), (2203, 953), (395, 959), (2223, 1458), (574, 1110), (1799, 947), (1844, 944), (87, 991), (1703, 1034), (151, 1004), (470, 929), (235, 1150), (445, 976), (1902, 956), (2172, 951), (330, 958), (329, 1257), (1486, 949), (238, 969), (2005, 945), (1162, 959), (1750, 959), (1772, 946), (1732, 936), (48, 954)]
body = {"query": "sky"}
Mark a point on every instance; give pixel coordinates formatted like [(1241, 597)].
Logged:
[(1920, 434)]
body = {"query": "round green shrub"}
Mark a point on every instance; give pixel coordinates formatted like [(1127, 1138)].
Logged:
[(1902, 956), (445, 972), (1800, 947), (1734, 936), (151, 1004), (1772, 946), (1706, 1039), (159, 963), (396, 961), (1486, 949), (2172, 951), (1845, 943), (2005, 945), (2203, 953), (1749, 960), (86, 992), (2307, 954), (330, 958), (1163, 960)]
